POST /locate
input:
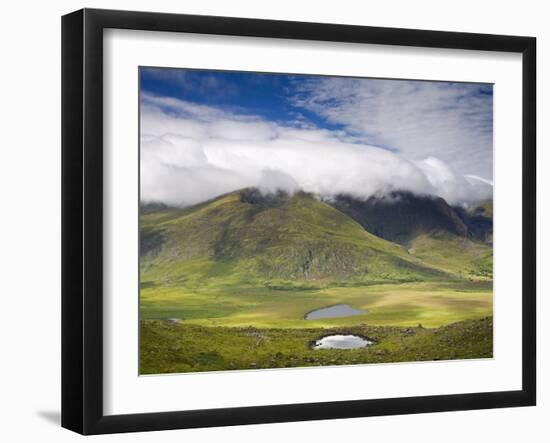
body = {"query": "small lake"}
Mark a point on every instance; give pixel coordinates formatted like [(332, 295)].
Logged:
[(341, 341), (333, 312)]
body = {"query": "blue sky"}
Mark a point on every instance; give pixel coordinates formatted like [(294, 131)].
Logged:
[(264, 95), (439, 134)]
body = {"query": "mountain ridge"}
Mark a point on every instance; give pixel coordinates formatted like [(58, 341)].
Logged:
[(248, 234), (401, 215)]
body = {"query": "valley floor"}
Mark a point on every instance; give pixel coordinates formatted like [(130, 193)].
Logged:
[(247, 327), (431, 304)]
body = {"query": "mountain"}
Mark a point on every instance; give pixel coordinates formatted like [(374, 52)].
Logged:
[(451, 239), (248, 236), (479, 220), (401, 216)]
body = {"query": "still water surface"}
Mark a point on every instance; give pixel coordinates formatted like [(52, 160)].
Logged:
[(341, 341), (341, 310)]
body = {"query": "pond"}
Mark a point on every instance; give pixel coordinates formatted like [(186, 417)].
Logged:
[(341, 341), (341, 310)]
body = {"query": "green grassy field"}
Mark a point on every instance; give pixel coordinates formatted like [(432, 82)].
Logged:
[(251, 327), (171, 347), (431, 304)]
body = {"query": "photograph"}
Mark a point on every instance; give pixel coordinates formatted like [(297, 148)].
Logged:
[(290, 220), (251, 222)]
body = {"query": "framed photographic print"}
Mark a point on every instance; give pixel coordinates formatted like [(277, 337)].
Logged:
[(270, 221)]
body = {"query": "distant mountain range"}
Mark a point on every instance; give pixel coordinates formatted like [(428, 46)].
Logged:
[(249, 236)]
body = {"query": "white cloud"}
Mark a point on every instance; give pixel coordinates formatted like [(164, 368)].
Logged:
[(450, 121), (191, 153)]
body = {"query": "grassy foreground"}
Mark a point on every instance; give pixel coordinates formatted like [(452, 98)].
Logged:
[(171, 346)]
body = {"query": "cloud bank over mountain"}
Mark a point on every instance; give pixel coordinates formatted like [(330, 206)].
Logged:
[(192, 152)]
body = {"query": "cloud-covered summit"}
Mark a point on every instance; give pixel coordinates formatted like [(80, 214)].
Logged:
[(314, 136)]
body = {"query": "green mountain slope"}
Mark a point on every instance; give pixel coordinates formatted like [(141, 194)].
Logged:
[(459, 255), (246, 237), (454, 240)]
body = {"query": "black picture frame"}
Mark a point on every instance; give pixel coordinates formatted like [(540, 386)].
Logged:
[(82, 221)]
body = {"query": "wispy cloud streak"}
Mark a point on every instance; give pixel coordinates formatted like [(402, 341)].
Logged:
[(450, 121)]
